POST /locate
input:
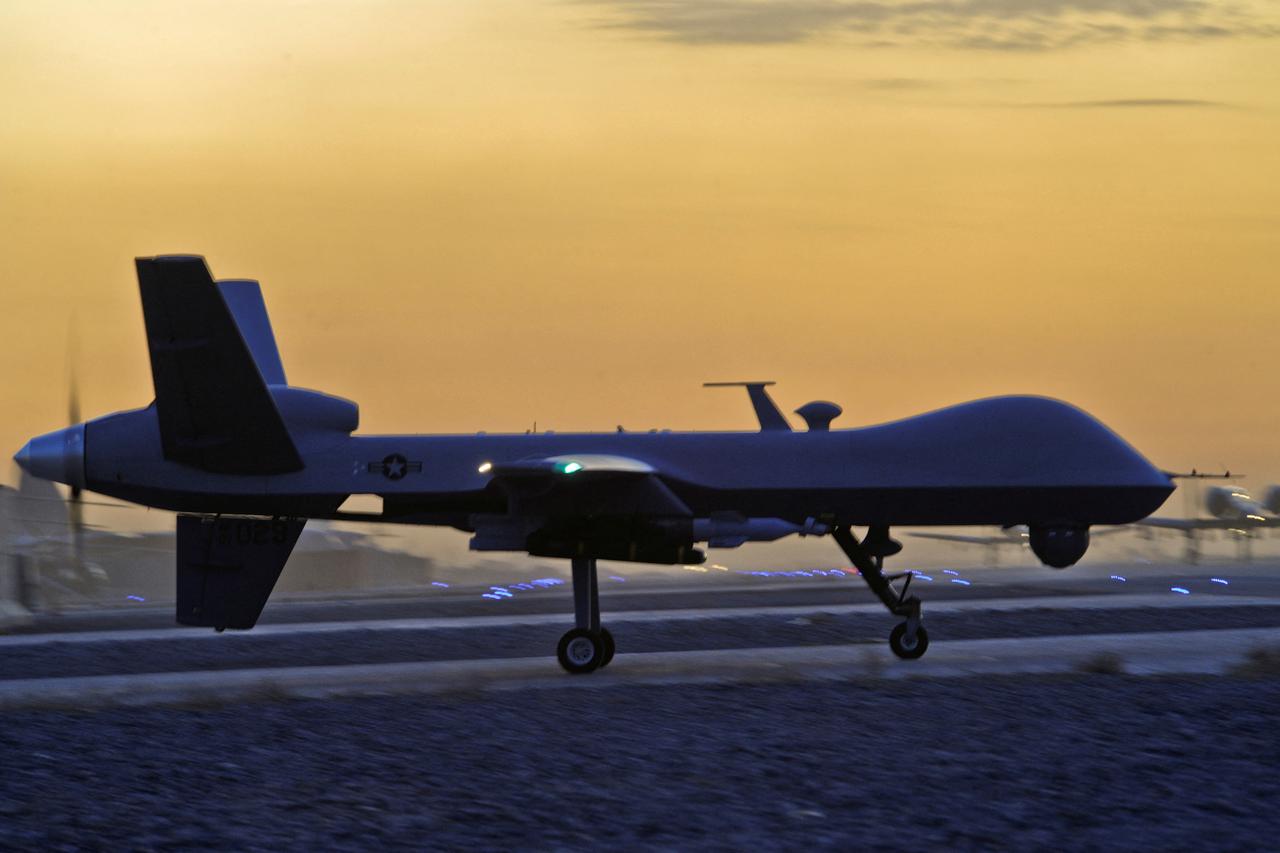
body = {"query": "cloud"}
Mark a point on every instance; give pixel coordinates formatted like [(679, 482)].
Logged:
[(1139, 103), (997, 25), (900, 84), (730, 21)]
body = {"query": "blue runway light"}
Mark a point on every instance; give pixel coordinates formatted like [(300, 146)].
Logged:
[(1120, 578), (1220, 580), (135, 598), (922, 576), (618, 579), (440, 584), (960, 581), (950, 572), (491, 596), (1180, 590)]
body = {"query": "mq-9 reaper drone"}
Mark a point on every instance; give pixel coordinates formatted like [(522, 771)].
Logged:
[(245, 459)]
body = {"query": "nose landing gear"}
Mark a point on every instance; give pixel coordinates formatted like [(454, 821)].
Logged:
[(908, 646), (908, 640)]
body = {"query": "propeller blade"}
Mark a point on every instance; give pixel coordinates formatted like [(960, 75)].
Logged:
[(75, 509), (73, 402)]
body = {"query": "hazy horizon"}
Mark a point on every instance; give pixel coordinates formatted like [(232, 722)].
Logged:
[(477, 216)]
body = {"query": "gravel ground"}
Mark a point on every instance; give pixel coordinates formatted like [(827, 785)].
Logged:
[(247, 650), (1074, 763)]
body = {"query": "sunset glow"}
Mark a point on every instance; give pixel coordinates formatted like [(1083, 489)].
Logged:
[(477, 216)]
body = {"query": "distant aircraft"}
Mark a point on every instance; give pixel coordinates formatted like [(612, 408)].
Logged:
[(1231, 508), (1009, 536), (42, 546), (1012, 536), (245, 458)]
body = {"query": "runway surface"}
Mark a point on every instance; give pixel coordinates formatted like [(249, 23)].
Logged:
[(1116, 707), (1215, 652), (741, 619)]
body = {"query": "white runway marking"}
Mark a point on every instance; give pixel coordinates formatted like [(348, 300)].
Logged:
[(1177, 652), (1073, 602)]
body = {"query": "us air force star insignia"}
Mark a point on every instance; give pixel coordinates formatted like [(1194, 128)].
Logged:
[(394, 467)]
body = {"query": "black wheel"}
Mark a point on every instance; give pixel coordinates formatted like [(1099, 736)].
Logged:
[(580, 651), (908, 648), (607, 639)]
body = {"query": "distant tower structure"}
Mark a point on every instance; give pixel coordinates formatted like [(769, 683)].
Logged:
[(14, 590)]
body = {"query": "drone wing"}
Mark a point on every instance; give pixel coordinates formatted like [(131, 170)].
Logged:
[(587, 484), (1251, 523)]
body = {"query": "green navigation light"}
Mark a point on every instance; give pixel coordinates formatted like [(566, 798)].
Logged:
[(570, 467)]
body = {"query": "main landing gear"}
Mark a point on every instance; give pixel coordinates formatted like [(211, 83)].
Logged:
[(587, 646), (908, 639)]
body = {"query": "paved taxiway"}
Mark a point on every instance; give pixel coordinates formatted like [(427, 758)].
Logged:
[(995, 620), (736, 714), (1214, 652)]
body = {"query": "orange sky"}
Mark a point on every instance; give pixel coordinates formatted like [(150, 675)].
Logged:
[(471, 216)]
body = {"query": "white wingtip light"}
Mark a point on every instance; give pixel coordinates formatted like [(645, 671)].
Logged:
[(485, 467)]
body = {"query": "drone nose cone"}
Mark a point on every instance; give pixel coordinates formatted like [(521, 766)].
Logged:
[(23, 455), (56, 456)]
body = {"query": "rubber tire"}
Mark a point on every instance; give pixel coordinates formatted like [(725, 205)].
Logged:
[(578, 667), (609, 647), (896, 637)]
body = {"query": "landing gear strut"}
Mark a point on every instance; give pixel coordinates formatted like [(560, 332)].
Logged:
[(908, 639), (587, 646)]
